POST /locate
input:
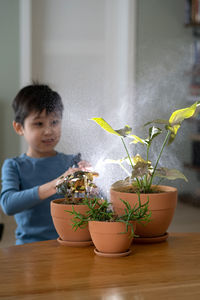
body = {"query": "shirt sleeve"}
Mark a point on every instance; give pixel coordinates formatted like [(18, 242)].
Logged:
[(13, 200)]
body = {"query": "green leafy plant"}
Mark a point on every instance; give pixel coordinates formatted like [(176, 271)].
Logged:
[(100, 210), (142, 170), (75, 187)]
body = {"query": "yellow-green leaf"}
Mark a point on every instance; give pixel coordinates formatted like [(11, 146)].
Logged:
[(179, 115), (119, 162), (113, 161), (103, 124), (137, 158), (136, 139)]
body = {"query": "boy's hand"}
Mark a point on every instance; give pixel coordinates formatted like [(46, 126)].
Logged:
[(83, 165)]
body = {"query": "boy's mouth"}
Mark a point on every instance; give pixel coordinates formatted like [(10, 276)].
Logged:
[(48, 141)]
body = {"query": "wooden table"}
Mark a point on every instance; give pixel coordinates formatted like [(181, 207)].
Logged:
[(48, 270)]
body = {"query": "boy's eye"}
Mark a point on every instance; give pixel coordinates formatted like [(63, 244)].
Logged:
[(38, 124), (55, 122)]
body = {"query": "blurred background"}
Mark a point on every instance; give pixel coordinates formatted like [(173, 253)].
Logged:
[(128, 61)]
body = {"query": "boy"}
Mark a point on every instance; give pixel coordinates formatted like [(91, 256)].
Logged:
[(29, 181)]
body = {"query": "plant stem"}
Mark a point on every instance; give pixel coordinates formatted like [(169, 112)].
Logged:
[(147, 152), (127, 172), (145, 176), (138, 182), (127, 152), (162, 148)]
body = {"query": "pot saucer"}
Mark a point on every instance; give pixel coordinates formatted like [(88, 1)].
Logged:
[(74, 244), (105, 254), (151, 240)]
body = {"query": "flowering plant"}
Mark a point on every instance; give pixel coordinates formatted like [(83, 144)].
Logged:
[(76, 186), (143, 171)]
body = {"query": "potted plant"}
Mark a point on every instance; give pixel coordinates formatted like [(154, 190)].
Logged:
[(162, 199), (111, 234), (74, 188)]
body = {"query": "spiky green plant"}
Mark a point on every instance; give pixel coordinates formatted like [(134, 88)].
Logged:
[(100, 210)]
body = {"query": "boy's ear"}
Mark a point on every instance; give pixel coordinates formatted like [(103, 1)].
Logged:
[(18, 128)]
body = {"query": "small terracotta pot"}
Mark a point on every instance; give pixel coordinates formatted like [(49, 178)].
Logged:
[(63, 221), (109, 237), (161, 204)]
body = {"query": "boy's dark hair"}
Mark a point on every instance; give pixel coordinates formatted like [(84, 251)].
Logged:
[(36, 98)]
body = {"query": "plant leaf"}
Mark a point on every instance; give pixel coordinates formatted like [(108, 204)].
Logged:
[(177, 117), (158, 121), (137, 158), (120, 132), (170, 174), (136, 139), (127, 160), (120, 163), (113, 161), (141, 166), (153, 132), (124, 131), (140, 169)]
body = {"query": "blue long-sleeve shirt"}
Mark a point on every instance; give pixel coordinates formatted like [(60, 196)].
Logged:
[(21, 177)]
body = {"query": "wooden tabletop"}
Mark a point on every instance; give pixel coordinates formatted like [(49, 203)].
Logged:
[(48, 270)]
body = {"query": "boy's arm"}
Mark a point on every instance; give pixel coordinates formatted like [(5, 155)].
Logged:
[(48, 189), (13, 200)]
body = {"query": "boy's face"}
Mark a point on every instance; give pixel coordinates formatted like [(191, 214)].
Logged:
[(42, 133)]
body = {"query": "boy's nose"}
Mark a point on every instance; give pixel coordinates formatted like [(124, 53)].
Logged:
[(48, 130)]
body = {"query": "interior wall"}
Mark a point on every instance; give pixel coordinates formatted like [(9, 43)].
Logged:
[(83, 56), (164, 60), (9, 75), (88, 56), (9, 85)]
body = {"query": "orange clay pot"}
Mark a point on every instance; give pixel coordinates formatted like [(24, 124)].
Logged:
[(63, 222), (108, 237), (162, 205)]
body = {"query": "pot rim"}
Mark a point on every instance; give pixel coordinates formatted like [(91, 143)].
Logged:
[(162, 188), (58, 200), (108, 222)]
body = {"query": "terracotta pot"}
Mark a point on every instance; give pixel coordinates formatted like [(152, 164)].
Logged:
[(63, 221), (161, 204), (108, 237)]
